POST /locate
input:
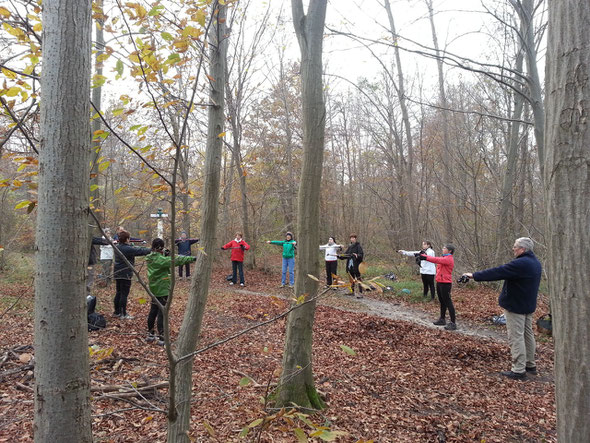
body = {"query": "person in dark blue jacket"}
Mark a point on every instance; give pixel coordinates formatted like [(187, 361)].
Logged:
[(184, 248), (518, 297), (123, 273)]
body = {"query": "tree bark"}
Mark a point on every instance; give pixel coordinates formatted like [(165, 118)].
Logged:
[(568, 210), (62, 383), (181, 375), (297, 384), (446, 154)]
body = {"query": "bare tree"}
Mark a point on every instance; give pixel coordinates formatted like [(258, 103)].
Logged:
[(297, 384), (181, 380), (62, 382), (568, 210)]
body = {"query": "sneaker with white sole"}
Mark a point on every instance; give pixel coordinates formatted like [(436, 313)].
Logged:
[(150, 338)]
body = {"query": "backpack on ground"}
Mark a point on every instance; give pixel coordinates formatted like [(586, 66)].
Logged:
[(96, 321)]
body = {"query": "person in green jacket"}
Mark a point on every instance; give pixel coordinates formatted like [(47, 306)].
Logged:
[(158, 269), (288, 258)]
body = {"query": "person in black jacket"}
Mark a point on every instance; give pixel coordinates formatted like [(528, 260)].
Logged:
[(518, 297), (354, 256), (123, 273)]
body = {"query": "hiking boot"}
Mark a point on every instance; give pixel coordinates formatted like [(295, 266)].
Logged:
[(532, 370), (514, 375), (451, 326), (282, 285), (440, 322), (151, 337)]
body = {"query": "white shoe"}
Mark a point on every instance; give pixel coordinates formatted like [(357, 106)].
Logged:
[(242, 285), (231, 283)]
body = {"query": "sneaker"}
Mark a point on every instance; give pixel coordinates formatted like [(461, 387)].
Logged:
[(514, 375), (440, 322), (160, 341), (532, 370), (451, 326), (150, 338), (127, 317), (116, 315), (231, 283), (291, 286), (242, 285), (359, 295)]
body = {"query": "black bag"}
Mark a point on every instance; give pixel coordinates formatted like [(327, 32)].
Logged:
[(96, 322)]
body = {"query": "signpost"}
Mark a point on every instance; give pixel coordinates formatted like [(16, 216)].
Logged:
[(160, 215)]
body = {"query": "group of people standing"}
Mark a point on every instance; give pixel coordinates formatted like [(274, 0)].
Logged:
[(518, 297)]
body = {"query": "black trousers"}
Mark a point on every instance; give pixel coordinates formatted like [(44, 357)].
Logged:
[(428, 282), (156, 313), (123, 287), (187, 270), (444, 296), (237, 266), (331, 268)]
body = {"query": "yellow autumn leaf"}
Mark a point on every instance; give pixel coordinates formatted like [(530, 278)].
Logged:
[(221, 135), (8, 73), (12, 92), (4, 12)]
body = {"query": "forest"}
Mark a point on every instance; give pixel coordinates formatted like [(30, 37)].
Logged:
[(396, 122)]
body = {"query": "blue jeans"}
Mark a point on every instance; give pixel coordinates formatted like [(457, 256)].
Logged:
[(288, 263)]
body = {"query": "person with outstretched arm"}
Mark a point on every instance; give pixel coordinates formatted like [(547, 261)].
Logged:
[(158, 270), (331, 257), (522, 277), (184, 248), (354, 256), (444, 283), (238, 245), (124, 274), (289, 246), (427, 269)]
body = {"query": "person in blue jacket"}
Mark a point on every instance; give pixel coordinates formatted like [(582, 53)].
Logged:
[(518, 297), (184, 248)]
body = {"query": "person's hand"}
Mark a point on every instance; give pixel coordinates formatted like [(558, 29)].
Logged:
[(399, 251), (423, 256), (268, 241), (355, 255), (222, 248), (468, 275), (242, 247)]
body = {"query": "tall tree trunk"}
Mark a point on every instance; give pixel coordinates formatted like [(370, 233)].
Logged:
[(62, 382), (526, 12), (97, 122), (505, 225), (297, 385), (181, 380), (446, 153), (568, 210), (408, 188)]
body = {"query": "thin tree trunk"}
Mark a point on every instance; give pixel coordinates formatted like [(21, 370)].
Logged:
[(446, 153), (62, 382), (181, 374), (505, 225), (297, 384), (568, 210)]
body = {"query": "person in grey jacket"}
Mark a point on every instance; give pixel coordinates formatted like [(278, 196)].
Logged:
[(427, 269), (331, 256), (522, 277)]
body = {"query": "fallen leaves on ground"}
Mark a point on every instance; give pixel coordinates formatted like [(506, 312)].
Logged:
[(382, 380)]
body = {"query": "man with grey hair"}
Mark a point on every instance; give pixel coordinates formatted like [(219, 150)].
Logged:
[(518, 297)]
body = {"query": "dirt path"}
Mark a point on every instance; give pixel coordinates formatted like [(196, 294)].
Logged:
[(396, 311)]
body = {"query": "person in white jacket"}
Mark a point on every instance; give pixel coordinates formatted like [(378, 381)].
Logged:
[(331, 250), (427, 269)]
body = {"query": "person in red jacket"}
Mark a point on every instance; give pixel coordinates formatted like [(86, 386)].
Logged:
[(444, 282), (237, 246)]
